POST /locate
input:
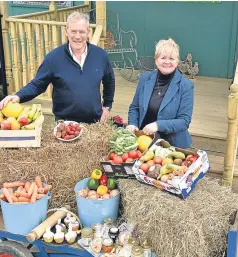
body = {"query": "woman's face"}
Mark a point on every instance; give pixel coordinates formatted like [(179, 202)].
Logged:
[(166, 63)]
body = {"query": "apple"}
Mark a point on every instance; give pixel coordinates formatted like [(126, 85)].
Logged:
[(5, 125), (23, 121), (15, 125)]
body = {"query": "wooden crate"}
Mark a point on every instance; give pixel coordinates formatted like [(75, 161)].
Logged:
[(20, 138)]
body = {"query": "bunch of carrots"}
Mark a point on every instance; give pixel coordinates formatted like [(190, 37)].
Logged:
[(24, 192)]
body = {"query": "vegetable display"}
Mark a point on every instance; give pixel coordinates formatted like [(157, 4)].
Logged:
[(24, 192), (123, 141)]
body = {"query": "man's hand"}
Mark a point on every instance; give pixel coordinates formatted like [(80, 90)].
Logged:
[(150, 128), (132, 128), (13, 98), (105, 114)]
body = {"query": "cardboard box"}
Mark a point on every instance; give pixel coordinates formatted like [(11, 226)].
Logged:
[(180, 186)]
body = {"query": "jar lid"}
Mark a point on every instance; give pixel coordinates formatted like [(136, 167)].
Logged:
[(107, 242), (87, 231), (114, 230), (146, 243), (136, 250)]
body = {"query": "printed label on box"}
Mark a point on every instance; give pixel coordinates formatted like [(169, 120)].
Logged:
[(107, 168)]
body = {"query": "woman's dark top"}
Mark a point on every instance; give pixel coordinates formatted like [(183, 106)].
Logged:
[(159, 91)]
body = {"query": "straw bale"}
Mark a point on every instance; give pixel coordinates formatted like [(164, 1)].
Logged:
[(196, 226), (61, 164)]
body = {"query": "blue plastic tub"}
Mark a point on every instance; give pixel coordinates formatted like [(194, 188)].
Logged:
[(22, 218), (94, 211)]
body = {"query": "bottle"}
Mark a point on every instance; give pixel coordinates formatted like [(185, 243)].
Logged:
[(137, 251), (146, 245), (86, 236)]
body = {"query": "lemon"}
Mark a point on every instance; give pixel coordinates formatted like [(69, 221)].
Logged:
[(143, 142)]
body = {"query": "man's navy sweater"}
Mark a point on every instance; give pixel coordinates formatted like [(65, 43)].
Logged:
[(76, 92)]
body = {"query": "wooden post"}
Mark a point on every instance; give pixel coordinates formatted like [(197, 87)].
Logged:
[(53, 7), (232, 135), (101, 19), (5, 28)]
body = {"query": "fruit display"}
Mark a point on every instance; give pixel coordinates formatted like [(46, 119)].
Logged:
[(165, 163), (68, 131), (24, 191), (16, 117), (99, 187)]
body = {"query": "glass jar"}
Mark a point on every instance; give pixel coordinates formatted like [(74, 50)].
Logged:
[(86, 236), (113, 234), (107, 245), (97, 228), (132, 241), (109, 222), (137, 251), (146, 245)]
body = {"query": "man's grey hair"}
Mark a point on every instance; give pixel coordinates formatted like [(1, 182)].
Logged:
[(75, 16)]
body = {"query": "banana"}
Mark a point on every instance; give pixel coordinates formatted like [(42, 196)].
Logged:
[(29, 126), (163, 171), (36, 123), (32, 111), (24, 113), (36, 115)]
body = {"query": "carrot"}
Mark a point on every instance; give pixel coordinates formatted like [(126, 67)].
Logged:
[(39, 196), (31, 188), (38, 181), (7, 194), (23, 190), (19, 189), (22, 194), (34, 194), (3, 197), (23, 199), (14, 198), (10, 190), (41, 190), (27, 186), (47, 188), (13, 184)]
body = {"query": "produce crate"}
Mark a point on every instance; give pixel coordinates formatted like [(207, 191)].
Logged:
[(21, 138), (180, 186), (123, 170)]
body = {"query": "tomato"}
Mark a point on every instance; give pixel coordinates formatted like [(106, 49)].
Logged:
[(124, 157), (111, 155), (150, 163), (139, 154), (158, 160), (117, 160), (129, 160), (144, 167), (132, 154)]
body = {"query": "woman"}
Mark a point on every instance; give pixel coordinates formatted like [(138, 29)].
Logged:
[(163, 101)]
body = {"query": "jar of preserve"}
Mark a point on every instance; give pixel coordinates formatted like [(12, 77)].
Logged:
[(146, 245), (86, 236), (137, 251), (107, 245)]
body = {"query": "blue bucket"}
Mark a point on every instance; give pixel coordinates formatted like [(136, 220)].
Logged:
[(22, 218), (95, 211)]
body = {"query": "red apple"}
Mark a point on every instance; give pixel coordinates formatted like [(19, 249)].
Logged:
[(23, 121), (5, 125)]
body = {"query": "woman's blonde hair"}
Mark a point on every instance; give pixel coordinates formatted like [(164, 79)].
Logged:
[(167, 46)]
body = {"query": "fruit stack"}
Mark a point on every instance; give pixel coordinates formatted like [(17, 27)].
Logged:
[(15, 117)]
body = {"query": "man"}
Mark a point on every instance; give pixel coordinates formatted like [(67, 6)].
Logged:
[(76, 70)]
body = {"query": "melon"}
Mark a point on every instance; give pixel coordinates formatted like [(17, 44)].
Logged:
[(12, 110)]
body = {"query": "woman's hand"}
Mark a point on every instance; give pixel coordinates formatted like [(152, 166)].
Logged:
[(132, 128), (150, 128)]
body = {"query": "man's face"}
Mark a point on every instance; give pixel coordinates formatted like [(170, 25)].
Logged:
[(166, 63), (77, 33)]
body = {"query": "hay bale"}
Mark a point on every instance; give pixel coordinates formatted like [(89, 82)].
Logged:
[(60, 164), (197, 226)]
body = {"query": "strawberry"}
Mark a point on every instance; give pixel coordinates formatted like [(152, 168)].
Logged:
[(76, 133), (58, 134)]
